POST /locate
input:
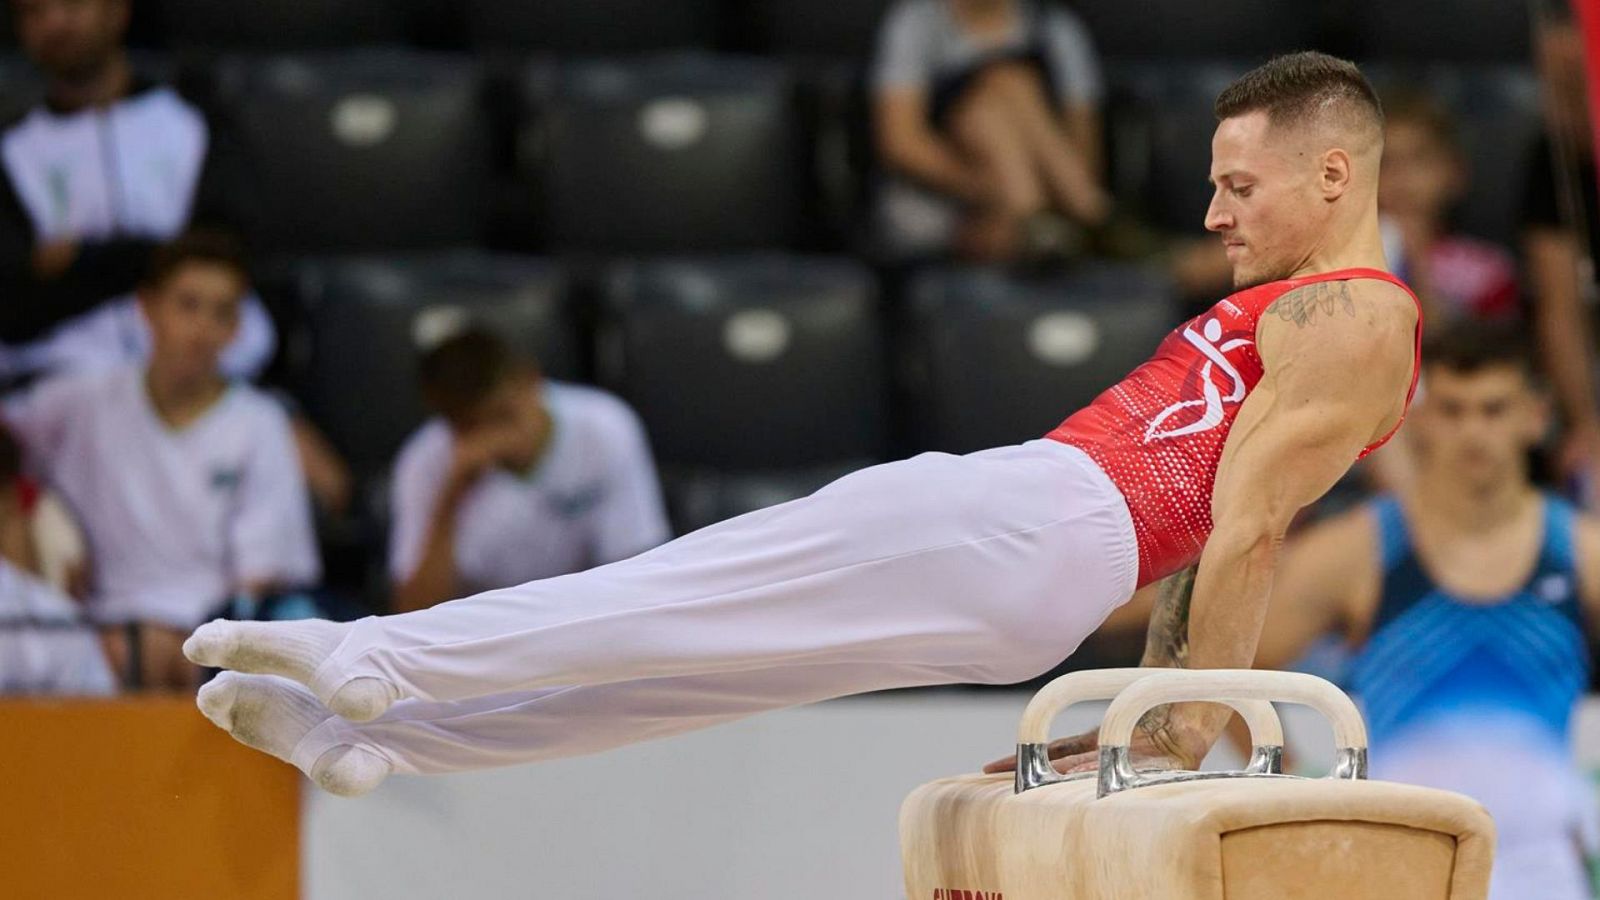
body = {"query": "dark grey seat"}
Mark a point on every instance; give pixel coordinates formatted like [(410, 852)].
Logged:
[(1183, 29), (365, 150), (754, 364), (666, 154), (1463, 31), (995, 359), (587, 27), (280, 24), (371, 317), (825, 29), (1162, 125)]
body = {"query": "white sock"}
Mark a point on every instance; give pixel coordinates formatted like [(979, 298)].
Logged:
[(293, 650), (273, 714)]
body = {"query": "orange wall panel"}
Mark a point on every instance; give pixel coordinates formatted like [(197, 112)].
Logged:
[(140, 798)]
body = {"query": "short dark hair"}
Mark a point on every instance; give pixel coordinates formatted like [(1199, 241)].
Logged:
[(202, 245), (1299, 87), (1470, 346), (462, 370)]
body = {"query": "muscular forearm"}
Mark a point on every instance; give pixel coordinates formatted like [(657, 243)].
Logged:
[(1232, 586)]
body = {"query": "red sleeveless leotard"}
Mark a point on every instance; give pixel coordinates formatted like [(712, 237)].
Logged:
[(1159, 433)]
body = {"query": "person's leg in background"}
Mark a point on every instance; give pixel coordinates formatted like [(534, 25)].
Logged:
[(997, 563), (981, 127), (1017, 89)]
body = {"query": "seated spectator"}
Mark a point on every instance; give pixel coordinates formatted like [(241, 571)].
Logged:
[(77, 230), (187, 483), (46, 645), (97, 177), (517, 478), (988, 122), (37, 533), (1424, 176), (115, 334), (1561, 241)]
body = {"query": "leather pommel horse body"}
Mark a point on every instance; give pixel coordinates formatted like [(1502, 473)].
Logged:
[(1256, 834)]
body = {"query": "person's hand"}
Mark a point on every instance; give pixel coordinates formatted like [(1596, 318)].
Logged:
[(1071, 748), (51, 258), (1156, 744), (477, 452)]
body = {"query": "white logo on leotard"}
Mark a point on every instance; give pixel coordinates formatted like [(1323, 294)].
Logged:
[(1211, 397)]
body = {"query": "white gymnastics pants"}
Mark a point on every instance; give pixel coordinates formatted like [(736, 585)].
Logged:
[(990, 567)]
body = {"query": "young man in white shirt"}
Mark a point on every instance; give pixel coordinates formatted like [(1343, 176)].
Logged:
[(187, 484), (516, 478)]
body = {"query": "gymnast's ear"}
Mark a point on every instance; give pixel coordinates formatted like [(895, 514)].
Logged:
[(1333, 176)]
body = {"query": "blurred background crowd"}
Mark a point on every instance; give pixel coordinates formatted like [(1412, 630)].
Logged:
[(329, 307)]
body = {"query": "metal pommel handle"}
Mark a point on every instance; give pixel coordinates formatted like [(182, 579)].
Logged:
[(1033, 734), (1224, 686)]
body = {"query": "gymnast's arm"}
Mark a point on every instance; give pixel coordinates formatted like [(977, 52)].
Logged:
[(1338, 360), (1328, 583)]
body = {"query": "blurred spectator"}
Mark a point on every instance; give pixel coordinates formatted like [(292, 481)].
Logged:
[(186, 483), (107, 169), (518, 478), (98, 176), (1424, 176), (1561, 242), (46, 646), (37, 533), (1464, 602), (988, 122)]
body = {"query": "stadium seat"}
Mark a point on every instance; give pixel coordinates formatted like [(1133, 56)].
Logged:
[(588, 27), (365, 150), (279, 24), (667, 154), (1498, 118), (758, 363), (1476, 31), (814, 29), (370, 317), (1163, 122), (1183, 29), (697, 497), (995, 359)]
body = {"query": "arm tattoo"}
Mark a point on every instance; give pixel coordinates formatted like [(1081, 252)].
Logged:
[(1167, 644), (1302, 304)]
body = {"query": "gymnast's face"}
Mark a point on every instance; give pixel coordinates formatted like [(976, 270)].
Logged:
[(1269, 202), (1476, 428)]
